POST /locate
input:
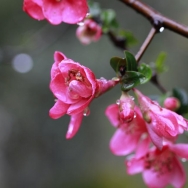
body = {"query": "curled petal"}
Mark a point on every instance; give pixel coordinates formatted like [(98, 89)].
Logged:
[(59, 109), (33, 8), (74, 125), (80, 88), (78, 107), (156, 139)]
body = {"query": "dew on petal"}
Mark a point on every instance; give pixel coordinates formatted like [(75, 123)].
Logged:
[(183, 160), (118, 102), (80, 23), (86, 111)]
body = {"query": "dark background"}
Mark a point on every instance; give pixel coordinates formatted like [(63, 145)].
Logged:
[(33, 150)]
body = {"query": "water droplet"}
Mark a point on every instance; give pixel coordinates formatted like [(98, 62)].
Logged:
[(80, 23), (132, 98), (86, 111), (134, 114), (161, 29), (88, 15), (183, 160), (128, 85), (118, 102), (116, 79)]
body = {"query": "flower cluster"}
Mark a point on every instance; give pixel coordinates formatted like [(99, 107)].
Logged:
[(74, 86), (149, 131), (57, 11)]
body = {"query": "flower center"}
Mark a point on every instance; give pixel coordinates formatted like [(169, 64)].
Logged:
[(74, 75), (160, 163)]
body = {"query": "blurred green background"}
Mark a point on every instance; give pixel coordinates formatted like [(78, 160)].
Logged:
[(33, 150)]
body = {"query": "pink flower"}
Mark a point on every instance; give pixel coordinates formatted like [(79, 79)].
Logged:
[(161, 123), (74, 86), (161, 167), (172, 103), (89, 32), (57, 11), (129, 135)]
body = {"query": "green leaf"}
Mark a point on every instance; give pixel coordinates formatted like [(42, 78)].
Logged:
[(108, 18), (116, 63), (131, 61), (146, 71), (183, 98), (128, 36), (132, 79), (160, 63)]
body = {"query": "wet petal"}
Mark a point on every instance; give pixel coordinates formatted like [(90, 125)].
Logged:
[(59, 109), (112, 114), (74, 125), (80, 88), (123, 143)]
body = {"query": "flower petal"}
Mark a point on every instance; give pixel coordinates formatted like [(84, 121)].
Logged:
[(60, 89), (155, 180), (123, 143), (59, 109), (79, 106), (135, 166), (156, 139), (178, 177), (180, 149), (33, 9), (112, 114), (74, 125), (80, 88)]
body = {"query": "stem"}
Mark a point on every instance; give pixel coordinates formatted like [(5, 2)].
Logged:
[(156, 82), (146, 44), (156, 18)]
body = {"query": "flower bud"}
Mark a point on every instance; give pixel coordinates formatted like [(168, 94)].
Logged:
[(172, 103), (126, 108)]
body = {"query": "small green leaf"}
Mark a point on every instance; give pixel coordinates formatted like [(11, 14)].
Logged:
[(131, 61), (117, 62), (131, 79), (146, 71), (183, 98), (108, 18), (160, 63), (128, 36)]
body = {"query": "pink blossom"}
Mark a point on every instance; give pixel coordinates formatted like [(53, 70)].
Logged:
[(57, 11), (74, 86), (130, 136), (161, 123), (161, 167), (89, 32), (172, 103)]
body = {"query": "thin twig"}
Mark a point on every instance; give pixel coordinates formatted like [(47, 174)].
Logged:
[(156, 18), (145, 44)]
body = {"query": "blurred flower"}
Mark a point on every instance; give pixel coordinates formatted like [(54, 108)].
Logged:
[(74, 86), (89, 32), (172, 103), (161, 167), (161, 123), (130, 136), (57, 11)]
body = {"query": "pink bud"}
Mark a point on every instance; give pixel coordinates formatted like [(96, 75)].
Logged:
[(172, 103), (126, 107)]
